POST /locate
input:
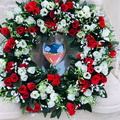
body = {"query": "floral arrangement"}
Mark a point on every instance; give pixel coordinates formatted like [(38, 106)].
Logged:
[(85, 30)]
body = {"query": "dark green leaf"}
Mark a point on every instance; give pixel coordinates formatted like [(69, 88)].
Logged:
[(18, 83), (59, 112), (115, 42), (44, 37), (87, 107), (54, 114), (24, 109), (45, 111), (109, 69), (69, 39), (72, 57), (84, 3)]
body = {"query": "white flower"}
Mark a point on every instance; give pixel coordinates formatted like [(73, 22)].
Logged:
[(102, 50), (87, 75), (92, 26), (44, 3), (86, 9), (31, 70), (80, 66), (40, 22), (87, 15), (80, 14), (30, 20), (10, 15), (88, 92), (21, 71), (42, 88), (2, 65), (2, 85), (71, 97), (98, 69), (86, 27), (34, 94), (54, 96), (17, 10), (50, 6), (105, 71), (22, 44), (43, 96), (80, 34), (43, 12), (97, 55), (1, 50), (16, 100), (51, 104), (25, 51), (18, 53), (24, 77), (19, 19), (105, 32), (104, 65), (63, 22), (49, 89), (43, 29), (84, 100)]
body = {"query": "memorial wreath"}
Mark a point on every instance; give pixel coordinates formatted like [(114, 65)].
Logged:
[(37, 90)]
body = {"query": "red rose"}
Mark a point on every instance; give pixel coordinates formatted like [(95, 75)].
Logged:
[(22, 89), (103, 79), (23, 65), (101, 22), (101, 44), (75, 24), (89, 61), (111, 45), (90, 69), (33, 3), (28, 7), (92, 44), (5, 31), (57, 76), (73, 32), (112, 53), (36, 11), (79, 56), (20, 30), (50, 77), (36, 108), (8, 82), (50, 23), (64, 7), (25, 95), (32, 30), (95, 79), (70, 108), (56, 1), (14, 77), (11, 42), (70, 5), (7, 48), (55, 82), (9, 67), (52, 14), (90, 37), (31, 86)]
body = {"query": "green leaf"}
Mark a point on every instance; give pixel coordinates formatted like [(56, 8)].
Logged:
[(87, 107), (69, 39), (72, 57), (18, 83), (59, 112), (84, 3), (76, 1), (54, 113), (115, 42), (44, 37), (45, 111), (24, 109), (109, 69)]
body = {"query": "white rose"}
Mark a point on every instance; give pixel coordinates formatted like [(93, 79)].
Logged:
[(49, 89), (24, 77), (105, 32), (50, 6), (19, 19), (88, 92), (40, 22), (51, 104), (21, 71), (43, 12), (18, 53), (25, 51), (80, 34), (87, 75), (30, 20), (92, 26), (86, 9), (34, 94), (63, 22), (98, 69), (42, 88), (87, 15), (104, 65), (71, 97), (44, 3), (102, 50), (43, 29), (80, 66), (105, 71), (22, 44), (84, 100), (31, 70), (10, 15), (53, 96), (17, 10), (80, 14), (97, 55), (43, 96)]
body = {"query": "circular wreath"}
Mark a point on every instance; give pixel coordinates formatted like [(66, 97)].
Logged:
[(85, 30)]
